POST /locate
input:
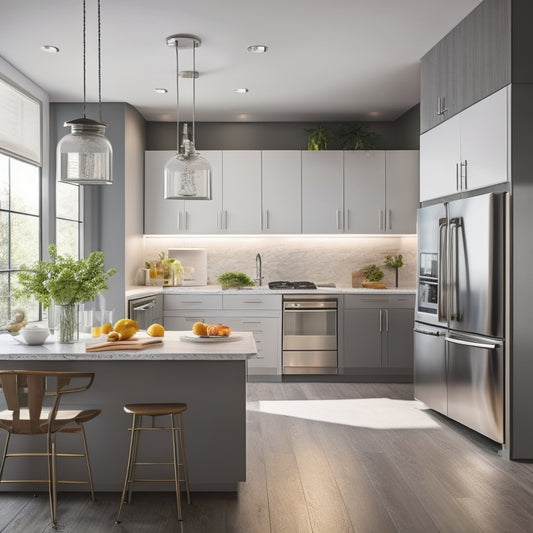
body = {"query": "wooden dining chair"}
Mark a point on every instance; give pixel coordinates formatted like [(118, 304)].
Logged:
[(33, 400)]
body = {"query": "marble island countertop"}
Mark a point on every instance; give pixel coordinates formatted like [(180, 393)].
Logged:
[(240, 346), (140, 291)]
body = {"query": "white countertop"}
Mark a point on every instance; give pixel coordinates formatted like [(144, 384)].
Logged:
[(14, 348), (138, 292)]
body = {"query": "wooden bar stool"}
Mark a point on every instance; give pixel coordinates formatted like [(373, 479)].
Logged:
[(33, 400), (174, 410)]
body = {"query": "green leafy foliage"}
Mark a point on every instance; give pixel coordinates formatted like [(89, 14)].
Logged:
[(318, 138), (372, 273), (356, 137), (65, 280), (394, 261), (235, 279)]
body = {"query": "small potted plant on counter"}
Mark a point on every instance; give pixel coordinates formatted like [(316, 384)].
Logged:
[(66, 282), (234, 280), (396, 262), (372, 277)]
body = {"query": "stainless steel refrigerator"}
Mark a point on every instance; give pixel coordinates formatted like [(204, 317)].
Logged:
[(460, 311)]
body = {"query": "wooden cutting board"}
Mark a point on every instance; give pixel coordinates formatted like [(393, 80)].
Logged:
[(130, 344)]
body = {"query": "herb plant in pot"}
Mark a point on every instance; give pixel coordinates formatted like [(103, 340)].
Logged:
[(372, 277), (234, 280), (66, 283)]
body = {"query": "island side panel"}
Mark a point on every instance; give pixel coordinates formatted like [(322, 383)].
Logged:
[(214, 424)]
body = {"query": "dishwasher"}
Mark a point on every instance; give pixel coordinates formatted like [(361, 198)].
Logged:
[(146, 310), (309, 339)]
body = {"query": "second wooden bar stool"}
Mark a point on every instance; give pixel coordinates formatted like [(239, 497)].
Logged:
[(174, 410)]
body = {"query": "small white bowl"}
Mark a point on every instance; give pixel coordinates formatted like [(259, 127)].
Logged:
[(34, 335)]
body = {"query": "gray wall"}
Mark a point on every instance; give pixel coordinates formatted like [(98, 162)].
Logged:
[(402, 134)]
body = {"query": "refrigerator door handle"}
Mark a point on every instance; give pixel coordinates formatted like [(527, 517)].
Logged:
[(487, 346), (442, 313), (455, 224), (427, 332)]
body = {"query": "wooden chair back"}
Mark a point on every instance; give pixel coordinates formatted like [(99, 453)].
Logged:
[(34, 396)]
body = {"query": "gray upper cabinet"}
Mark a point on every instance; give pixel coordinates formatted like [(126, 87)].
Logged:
[(322, 191), (381, 191), (281, 187), (468, 64), (179, 216)]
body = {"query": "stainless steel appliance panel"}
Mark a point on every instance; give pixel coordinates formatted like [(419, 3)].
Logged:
[(431, 263), (476, 270), (430, 367), (310, 362), (146, 310), (475, 384)]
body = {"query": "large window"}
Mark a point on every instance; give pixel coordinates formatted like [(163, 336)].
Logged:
[(20, 230), (68, 219)]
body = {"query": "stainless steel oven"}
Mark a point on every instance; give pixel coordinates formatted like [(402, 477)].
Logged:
[(309, 334), (146, 310)]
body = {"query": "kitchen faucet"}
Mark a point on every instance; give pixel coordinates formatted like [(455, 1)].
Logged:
[(258, 270)]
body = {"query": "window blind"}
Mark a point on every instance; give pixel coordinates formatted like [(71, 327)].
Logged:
[(20, 123)]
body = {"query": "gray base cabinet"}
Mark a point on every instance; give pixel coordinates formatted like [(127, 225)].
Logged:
[(378, 334), (260, 314)]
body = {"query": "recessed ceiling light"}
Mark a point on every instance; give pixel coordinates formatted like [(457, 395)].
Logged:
[(49, 48), (241, 90), (160, 90), (257, 48)]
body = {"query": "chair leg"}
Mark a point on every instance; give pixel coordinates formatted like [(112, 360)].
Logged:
[(184, 459), (175, 454), (4, 455), (128, 468), (87, 460), (52, 476), (134, 457)]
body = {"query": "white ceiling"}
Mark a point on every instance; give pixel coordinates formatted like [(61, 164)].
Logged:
[(334, 60)]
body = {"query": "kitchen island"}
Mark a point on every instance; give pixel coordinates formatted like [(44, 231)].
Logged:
[(210, 377)]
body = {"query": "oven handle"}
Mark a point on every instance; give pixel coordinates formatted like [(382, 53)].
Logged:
[(145, 307)]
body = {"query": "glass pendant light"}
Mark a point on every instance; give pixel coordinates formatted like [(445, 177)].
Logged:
[(187, 174), (85, 155)]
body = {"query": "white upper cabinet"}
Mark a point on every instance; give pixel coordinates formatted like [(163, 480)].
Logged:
[(364, 191), (179, 216), (468, 151), (241, 211), (281, 186), (322, 191)]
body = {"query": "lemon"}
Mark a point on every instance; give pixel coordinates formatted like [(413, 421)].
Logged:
[(127, 328), (156, 330), (199, 328), (106, 328)]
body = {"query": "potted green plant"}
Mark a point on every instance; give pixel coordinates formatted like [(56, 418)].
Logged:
[(396, 262), (356, 137), (318, 138), (66, 283), (372, 277)]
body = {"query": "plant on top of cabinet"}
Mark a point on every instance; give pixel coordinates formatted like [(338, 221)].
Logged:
[(353, 136), (318, 138)]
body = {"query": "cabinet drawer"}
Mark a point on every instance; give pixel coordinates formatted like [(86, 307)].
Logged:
[(174, 302), (252, 301), (377, 301)]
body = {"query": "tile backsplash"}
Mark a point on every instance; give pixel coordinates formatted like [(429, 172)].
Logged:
[(328, 259)]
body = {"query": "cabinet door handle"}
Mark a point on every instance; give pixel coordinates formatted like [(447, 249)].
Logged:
[(251, 322), (193, 319), (225, 219), (267, 221), (444, 109), (456, 176), (253, 301), (386, 320), (390, 219), (191, 302), (178, 221), (464, 176), (380, 320), (185, 219), (439, 106)]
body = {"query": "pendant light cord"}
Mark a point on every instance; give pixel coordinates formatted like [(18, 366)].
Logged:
[(84, 66), (99, 70), (177, 99), (193, 92)]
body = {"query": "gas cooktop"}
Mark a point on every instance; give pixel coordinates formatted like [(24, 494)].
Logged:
[(291, 285)]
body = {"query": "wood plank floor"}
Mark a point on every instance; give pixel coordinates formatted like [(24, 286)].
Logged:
[(331, 458)]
